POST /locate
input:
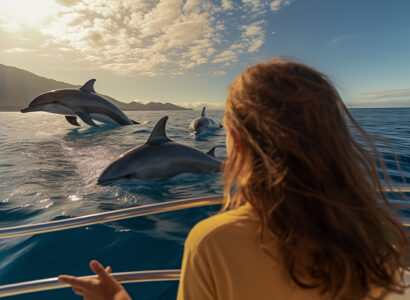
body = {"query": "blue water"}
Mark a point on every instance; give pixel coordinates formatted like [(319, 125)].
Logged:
[(48, 171)]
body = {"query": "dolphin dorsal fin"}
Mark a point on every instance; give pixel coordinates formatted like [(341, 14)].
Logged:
[(211, 152), (88, 87), (203, 113), (158, 134)]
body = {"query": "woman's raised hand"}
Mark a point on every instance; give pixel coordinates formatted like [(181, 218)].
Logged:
[(105, 287)]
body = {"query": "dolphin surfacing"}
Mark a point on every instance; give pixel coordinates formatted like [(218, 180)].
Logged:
[(158, 159), (203, 124), (84, 103)]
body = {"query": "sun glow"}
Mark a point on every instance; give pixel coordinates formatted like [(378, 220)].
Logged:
[(16, 13)]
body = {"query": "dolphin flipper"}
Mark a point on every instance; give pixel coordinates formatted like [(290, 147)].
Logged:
[(158, 134), (135, 122), (203, 113), (86, 118), (72, 120)]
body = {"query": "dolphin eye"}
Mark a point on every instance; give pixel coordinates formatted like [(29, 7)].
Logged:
[(129, 176)]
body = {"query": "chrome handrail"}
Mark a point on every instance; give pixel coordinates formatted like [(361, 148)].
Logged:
[(126, 213), (119, 214), (53, 283), (124, 277)]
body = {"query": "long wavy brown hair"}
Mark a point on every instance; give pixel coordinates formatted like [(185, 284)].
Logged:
[(293, 158)]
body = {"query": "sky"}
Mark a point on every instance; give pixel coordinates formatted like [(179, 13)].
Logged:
[(188, 51)]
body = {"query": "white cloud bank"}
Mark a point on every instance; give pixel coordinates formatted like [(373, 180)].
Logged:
[(199, 105), (399, 93), (385, 98), (150, 38)]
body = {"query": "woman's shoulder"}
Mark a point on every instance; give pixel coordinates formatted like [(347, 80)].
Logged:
[(223, 226)]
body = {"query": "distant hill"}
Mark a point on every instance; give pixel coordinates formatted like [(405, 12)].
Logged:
[(18, 87)]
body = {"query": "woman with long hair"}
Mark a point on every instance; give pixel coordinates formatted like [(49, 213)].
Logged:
[(304, 213)]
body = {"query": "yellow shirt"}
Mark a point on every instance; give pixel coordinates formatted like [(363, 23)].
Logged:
[(224, 260)]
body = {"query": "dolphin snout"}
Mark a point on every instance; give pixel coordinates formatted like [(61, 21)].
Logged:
[(108, 176), (104, 179), (103, 182), (24, 110), (31, 108)]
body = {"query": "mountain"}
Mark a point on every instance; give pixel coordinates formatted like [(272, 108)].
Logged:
[(18, 87)]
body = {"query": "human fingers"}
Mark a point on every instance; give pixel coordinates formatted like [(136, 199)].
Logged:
[(78, 290), (74, 281), (108, 269), (98, 269)]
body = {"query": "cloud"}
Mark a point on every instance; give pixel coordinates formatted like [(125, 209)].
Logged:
[(379, 103), (279, 4), (253, 35), (399, 93), (199, 105), (341, 39), (256, 6), (219, 73), (386, 98), (256, 44), (18, 50), (226, 56), (227, 4), (67, 2), (6, 25), (151, 38)]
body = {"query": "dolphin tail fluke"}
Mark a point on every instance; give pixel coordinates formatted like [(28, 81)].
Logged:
[(135, 122), (158, 134), (72, 120), (203, 113), (211, 152), (86, 118)]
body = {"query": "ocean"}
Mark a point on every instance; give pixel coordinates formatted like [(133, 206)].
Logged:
[(48, 171)]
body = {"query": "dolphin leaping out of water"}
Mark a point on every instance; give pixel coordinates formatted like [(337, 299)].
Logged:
[(84, 103), (158, 159), (203, 124)]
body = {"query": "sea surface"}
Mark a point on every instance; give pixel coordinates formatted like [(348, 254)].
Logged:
[(48, 171)]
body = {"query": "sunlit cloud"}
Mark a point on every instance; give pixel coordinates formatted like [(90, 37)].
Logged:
[(67, 2), (256, 6), (199, 105), (278, 4), (219, 73), (227, 4), (399, 93), (18, 50), (150, 38), (385, 98), (16, 14), (253, 35)]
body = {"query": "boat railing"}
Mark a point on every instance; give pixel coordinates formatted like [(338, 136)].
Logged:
[(53, 283), (116, 215)]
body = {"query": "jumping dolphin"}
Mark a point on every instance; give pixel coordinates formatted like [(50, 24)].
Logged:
[(84, 103), (158, 159), (203, 124)]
